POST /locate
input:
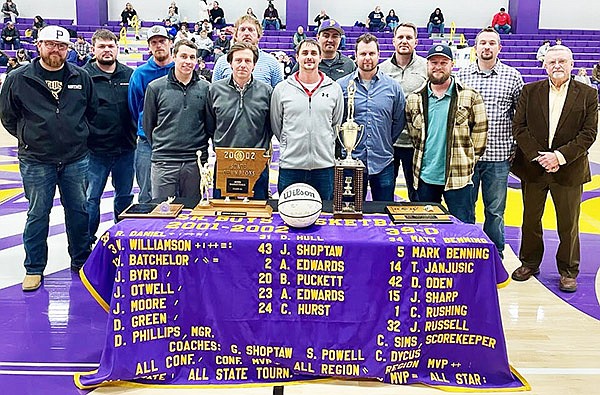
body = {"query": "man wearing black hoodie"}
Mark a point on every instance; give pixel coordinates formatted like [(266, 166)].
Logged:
[(112, 132)]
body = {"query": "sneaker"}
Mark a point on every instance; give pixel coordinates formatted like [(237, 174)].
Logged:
[(31, 282)]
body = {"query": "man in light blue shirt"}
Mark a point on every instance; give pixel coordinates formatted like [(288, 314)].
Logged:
[(379, 107), (266, 69)]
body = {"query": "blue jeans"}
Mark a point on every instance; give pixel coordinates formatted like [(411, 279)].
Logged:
[(382, 184), (143, 153), (15, 43), (493, 177), (120, 167), (40, 181), (439, 26), (502, 29), (320, 179), (270, 22), (260, 190), (459, 201), (405, 156)]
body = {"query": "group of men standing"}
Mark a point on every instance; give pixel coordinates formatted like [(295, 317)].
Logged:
[(452, 135)]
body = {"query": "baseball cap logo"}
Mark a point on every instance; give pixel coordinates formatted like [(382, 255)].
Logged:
[(155, 29), (439, 48), (332, 22)]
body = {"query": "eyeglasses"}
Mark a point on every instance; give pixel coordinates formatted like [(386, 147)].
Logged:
[(52, 45)]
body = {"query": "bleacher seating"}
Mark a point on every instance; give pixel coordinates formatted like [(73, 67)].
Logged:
[(518, 50)]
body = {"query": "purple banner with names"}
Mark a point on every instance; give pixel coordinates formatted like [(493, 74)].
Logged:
[(196, 300)]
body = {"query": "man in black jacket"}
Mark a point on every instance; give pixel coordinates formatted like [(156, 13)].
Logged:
[(10, 37), (112, 132), (47, 105)]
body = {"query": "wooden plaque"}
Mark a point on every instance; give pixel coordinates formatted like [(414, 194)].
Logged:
[(418, 213), (238, 169)]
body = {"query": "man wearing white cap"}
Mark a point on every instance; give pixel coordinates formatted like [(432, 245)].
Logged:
[(47, 105), (448, 127), (157, 66)]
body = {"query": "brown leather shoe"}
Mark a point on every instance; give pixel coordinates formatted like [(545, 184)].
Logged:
[(523, 273), (567, 284), (31, 282)]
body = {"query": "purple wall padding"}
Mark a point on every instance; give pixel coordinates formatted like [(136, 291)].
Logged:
[(92, 12), (525, 16), (296, 14)]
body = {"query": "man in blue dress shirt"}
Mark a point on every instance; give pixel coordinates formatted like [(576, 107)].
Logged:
[(379, 107)]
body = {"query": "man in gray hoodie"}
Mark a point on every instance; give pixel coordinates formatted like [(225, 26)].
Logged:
[(305, 108), (174, 117)]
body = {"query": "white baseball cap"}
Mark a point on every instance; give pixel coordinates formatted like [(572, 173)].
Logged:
[(54, 33)]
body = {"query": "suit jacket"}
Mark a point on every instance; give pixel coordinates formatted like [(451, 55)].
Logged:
[(575, 133)]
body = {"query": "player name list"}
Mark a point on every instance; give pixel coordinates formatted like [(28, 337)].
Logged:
[(402, 289)]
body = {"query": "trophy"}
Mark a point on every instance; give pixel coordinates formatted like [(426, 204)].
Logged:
[(349, 172), (237, 170)]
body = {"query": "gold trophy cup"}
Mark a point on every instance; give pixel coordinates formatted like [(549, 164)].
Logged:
[(349, 172)]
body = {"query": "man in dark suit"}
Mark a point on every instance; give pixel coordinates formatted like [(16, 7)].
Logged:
[(555, 124)]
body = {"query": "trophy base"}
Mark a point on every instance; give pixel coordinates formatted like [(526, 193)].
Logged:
[(348, 189), (347, 215), (234, 208)]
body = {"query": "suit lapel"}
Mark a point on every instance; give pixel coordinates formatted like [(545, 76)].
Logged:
[(544, 103), (570, 101)]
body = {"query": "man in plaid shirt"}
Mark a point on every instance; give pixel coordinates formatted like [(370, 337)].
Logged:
[(448, 127), (500, 85)]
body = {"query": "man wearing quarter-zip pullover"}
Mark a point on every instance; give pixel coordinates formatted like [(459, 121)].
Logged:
[(174, 119), (305, 109), (238, 110), (47, 105)]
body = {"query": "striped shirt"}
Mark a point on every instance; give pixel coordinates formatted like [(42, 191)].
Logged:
[(266, 69), (500, 90)]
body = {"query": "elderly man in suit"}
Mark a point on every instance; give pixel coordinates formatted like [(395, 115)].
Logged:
[(555, 124)]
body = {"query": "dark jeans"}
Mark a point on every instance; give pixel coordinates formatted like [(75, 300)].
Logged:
[(121, 169), (143, 153), (320, 179), (15, 43), (459, 201), (405, 156), (383, 184), (40, 181)]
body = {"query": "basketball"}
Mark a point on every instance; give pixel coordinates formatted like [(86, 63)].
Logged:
[(300, 205)]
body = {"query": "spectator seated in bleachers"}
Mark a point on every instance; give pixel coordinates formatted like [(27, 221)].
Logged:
[(72, 55), (127, 15), (299, 36), (436, 20), (12, 64), (501, 22), (205, 45), (38, 24), (203, 72), (83, 49), (541, 52), (221, 45), (376, 20), (184, 33), (250, 12), (217, 16), (596, 73), (171, 30), (173, 17), (320, 18), (9, 10), (173, 5), (203, 9), (583, 77), (10, 36), (22, 56), (287, 63), (3, 58), (271, 18), (392, 20)]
